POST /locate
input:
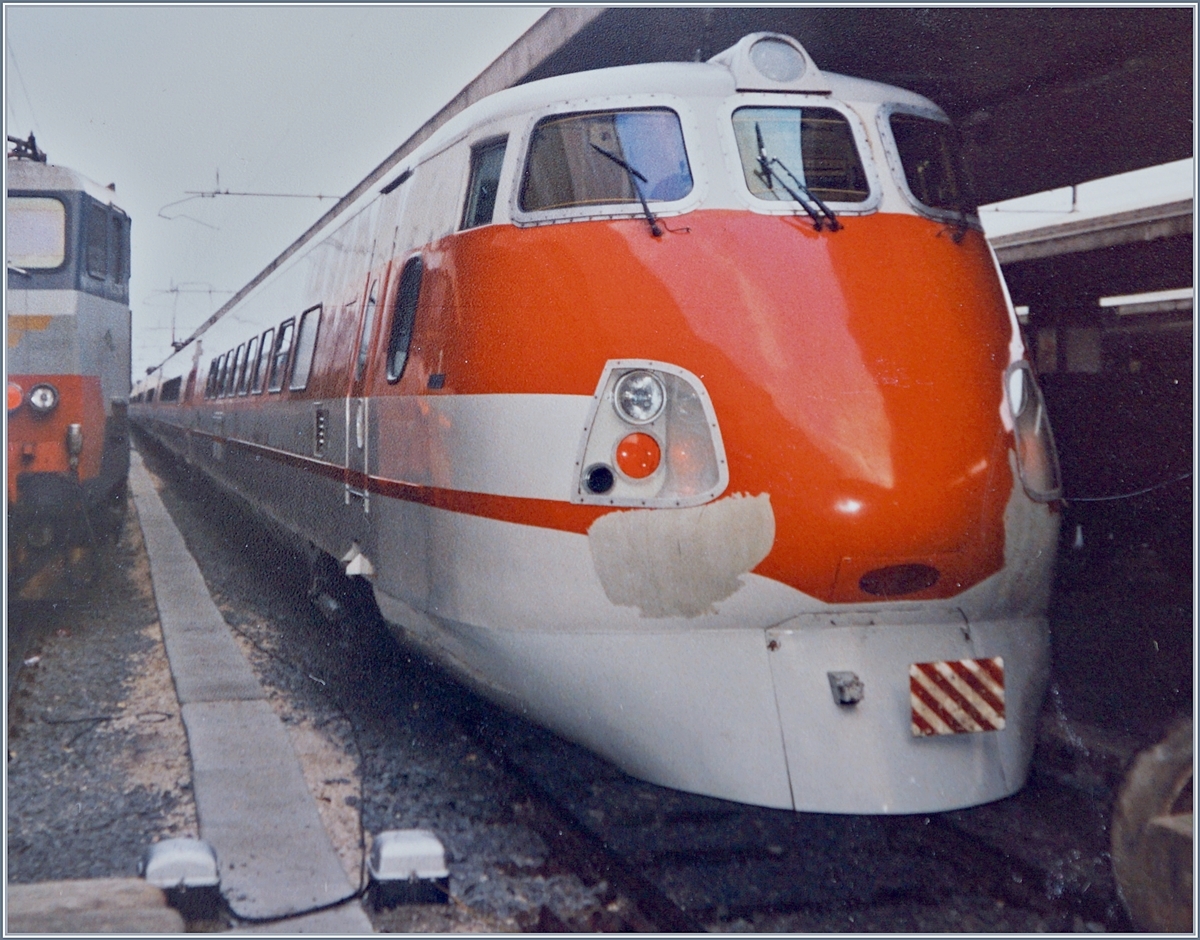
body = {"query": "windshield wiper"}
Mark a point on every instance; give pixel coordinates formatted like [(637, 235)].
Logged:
[(634, 176), (806, 201), (13, 267)]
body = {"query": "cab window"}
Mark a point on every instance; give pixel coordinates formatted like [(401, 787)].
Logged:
[(486, 161), (605, 157), (812, 147), (36, 232), (929, 154)]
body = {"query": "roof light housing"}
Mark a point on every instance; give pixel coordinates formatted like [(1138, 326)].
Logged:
[(772, 62)]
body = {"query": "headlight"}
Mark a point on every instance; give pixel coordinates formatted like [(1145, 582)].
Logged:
[(1037, 459), (43, 398), (639, 397), (1018, 393), (777, 60)]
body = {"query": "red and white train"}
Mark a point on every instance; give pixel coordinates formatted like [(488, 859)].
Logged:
[(680, 408), (67, 306)]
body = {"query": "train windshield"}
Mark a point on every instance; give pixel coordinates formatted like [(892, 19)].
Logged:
[(929, 153), (37, 232), (815, 145), (605, 157)]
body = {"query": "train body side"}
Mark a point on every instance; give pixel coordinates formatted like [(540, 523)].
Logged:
[(869, 511)]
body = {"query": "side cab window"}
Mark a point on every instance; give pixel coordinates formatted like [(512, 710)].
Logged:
[(487, 159)]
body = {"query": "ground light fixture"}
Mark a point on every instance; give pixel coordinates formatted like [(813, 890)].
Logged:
[(186, 871), (407, 866)]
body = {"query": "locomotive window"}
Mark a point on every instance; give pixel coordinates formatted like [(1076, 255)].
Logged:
[(813, 145), (247, 377), (120, 246), (929, 153), (403, 318), (36, 232), (306, 344), (364, 338), (283, 346), (486, 160), (96, 235), (239, 367), (566, 167), (264, 362)]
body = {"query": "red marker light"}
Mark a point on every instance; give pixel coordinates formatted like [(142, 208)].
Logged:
[(638, 455), (15, 395)]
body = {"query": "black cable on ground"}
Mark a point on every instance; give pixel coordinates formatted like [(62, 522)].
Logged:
[(363, 882), (1141, 492)]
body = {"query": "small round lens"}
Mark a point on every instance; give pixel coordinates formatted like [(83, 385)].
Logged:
[(599, 479)]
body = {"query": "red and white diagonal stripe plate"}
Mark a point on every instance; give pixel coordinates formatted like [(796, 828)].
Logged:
[(957, 696)]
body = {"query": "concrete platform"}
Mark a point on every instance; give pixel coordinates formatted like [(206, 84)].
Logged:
[(98, 905), (253, 805)]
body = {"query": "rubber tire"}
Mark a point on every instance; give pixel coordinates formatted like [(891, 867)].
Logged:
[(1153, 866)]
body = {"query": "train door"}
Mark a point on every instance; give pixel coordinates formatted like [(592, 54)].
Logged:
[(358, 418)]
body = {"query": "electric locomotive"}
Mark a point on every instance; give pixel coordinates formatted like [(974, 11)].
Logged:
[(680, 407), (67, 300)]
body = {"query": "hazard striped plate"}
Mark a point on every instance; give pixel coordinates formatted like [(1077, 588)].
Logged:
[(957, 696)]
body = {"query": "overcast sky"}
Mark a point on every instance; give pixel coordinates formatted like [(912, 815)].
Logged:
[(304, 100)]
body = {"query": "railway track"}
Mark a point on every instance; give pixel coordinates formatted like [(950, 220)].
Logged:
[(544, 836)]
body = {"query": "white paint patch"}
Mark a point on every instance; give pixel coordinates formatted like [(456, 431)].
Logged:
[(680, 562)]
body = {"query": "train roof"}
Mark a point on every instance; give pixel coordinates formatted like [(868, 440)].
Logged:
[(710, 79), (22, 174)]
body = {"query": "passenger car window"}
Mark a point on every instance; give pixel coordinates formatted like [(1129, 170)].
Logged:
[(239, 366), (283, 346), (36, 232), (816, 145), (306, 344), (565, 166), (247, 378), (404, 317), (486, 161), (929, 154), (264, 362), (223, 371)]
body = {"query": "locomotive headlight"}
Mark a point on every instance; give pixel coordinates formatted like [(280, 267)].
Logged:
[(43, 398), (639, 397), (1018, 393), (1037, 458), (15, 396)]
